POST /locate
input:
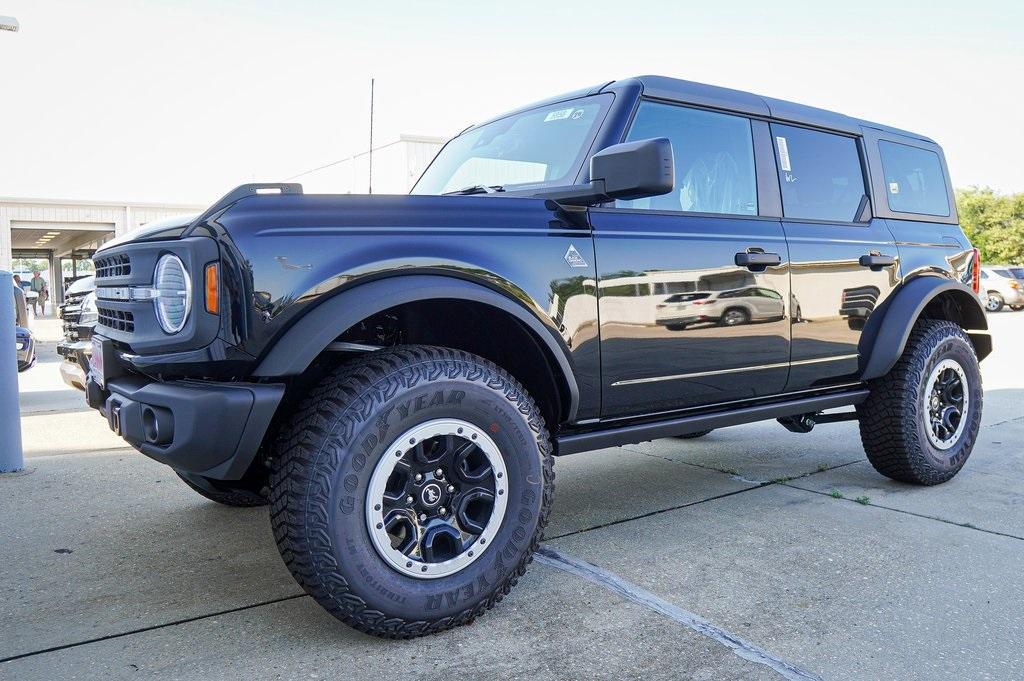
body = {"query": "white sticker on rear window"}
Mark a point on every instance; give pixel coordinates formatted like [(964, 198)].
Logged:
[(783, 153), (558, 115), (894, 187)]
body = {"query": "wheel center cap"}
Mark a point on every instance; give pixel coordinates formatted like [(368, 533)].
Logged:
[(431, 494)]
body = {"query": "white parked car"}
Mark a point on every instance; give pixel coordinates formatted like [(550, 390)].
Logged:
[(1003, 287), (727, 308)]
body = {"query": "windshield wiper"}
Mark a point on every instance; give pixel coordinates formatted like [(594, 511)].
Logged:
[(477, 189)]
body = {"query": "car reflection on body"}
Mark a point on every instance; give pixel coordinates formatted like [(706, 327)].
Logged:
[(726, 308), (25, 344)]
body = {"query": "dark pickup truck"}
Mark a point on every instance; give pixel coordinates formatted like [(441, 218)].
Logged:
[(393, 374)]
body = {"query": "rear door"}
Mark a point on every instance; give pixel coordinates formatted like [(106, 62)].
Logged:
[(843, 261), (691, 241)]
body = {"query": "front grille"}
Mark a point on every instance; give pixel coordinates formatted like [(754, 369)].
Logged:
[(113, 266), (118, 320)]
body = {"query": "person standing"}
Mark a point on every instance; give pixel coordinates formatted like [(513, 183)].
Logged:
[(20, 305), (42, 292)]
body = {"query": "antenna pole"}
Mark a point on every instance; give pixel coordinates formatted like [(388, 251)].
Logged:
[(370, 174)]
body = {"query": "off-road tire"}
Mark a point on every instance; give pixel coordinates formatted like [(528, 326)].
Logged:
[(995, 302), (892, 419), (694, 436), (322, 468), (240, 494)]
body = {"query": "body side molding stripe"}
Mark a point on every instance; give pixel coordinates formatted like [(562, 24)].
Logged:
[(718, 372)]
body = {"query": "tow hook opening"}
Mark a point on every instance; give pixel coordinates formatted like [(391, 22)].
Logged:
[(157, 425)]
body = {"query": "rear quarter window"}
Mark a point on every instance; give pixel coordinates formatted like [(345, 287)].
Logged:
[(914, 181)]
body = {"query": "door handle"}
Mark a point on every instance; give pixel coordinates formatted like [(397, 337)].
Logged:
[(877, 262), (757, 261)]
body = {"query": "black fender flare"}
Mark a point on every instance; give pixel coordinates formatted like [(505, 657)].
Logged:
[(316, 329), (885, 335)]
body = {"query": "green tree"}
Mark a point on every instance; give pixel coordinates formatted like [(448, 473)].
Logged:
[(994, 223)]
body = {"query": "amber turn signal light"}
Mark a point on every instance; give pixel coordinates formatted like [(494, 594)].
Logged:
[(212, 288)]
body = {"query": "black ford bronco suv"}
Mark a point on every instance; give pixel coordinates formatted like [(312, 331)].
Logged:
[(646, 258)]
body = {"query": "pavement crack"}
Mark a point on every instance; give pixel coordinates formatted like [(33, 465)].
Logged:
[(612, 523), (1016, 419), (616, 584), (755, 484), (153, 627), (966, 526)]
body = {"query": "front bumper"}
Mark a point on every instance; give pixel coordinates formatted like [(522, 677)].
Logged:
[(76, 362), (211, 429)]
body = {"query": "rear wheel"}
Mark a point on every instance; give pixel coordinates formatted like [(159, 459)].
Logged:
[(734, 316), (921, 420), (411, 489), (995, 302), (241, 493)]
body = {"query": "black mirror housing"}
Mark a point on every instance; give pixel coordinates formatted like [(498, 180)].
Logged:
[(631, 170), (635, 170)]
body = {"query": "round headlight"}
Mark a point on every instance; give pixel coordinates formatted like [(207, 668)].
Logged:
[(174, 293)]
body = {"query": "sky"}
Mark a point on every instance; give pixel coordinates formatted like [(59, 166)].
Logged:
[(180, 100)]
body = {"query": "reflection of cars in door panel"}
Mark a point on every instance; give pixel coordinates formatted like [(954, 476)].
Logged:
[(857, 303), (728, 308)]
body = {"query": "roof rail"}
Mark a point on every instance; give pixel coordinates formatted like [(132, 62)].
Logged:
[(242, 191)]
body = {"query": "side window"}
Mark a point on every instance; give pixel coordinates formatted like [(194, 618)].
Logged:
[(819, 173), (914, 181), (714, 160)]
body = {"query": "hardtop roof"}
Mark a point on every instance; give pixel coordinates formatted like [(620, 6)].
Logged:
[(736, 100)]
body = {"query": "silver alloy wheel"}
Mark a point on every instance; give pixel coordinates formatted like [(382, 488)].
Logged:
[(946, 403), (993, 304), (734, 317), (434, 485)]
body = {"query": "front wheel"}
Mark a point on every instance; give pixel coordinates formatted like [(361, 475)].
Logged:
[(921, 419), (411, 490), (1017, 308)]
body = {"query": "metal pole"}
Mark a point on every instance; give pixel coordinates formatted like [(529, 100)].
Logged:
[(370, 174), (11, 457)]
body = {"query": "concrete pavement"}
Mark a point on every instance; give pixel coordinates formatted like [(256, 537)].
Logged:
[(115, 569)]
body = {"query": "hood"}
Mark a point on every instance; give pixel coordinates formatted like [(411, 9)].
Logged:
[(168, 228)]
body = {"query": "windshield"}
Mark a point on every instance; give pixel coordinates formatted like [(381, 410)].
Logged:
[(542, 146)]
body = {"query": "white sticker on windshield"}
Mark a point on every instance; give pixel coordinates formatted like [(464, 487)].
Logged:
[(783, 153), (894, 187), (558, 115)]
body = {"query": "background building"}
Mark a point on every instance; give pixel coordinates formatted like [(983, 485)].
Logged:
[(63, 234)]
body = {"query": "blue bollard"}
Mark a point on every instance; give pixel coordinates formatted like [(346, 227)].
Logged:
[(11, 458)]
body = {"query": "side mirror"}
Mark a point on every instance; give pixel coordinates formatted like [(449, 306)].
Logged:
[(635, 170), (631, 170)]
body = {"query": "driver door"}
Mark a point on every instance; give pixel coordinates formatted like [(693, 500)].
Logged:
[(704, 237)]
